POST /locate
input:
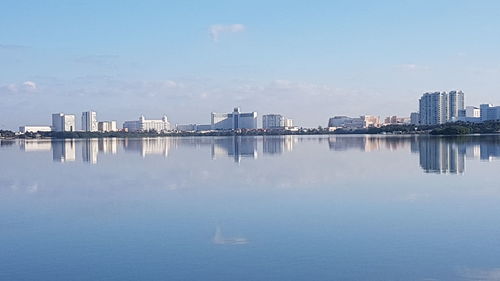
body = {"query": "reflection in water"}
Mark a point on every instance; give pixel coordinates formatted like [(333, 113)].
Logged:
[(438, 156), (149, 146), (441, 155), (277, 144), (63, 150), (221, 240), (236, 147)]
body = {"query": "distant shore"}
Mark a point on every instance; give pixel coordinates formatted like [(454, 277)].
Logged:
[(453, 129)]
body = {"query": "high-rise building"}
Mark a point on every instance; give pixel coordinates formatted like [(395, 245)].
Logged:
[(483, 111), (89, 121), (144, 125), (234, 120), (439, 108), (63, 122), (276, 121)]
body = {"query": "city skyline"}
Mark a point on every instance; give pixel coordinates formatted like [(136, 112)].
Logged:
[(184, 66)]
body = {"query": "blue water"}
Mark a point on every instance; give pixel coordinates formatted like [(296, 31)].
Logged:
[(251, 208)]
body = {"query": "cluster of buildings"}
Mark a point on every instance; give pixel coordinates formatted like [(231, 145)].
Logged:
[(235, 120), (442, 107), (434, 109), (62, 122)]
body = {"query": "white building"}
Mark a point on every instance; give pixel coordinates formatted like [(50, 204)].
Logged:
[(63, 122), (439, 108), (34, 129), (276, 121), (234, 120), (469, 114), (144, 125), (89, 121), (107, 126)]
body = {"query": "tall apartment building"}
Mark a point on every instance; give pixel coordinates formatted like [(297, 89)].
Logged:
[(276, 121), (89, 121), (63, 122), (438, 108), (145, 125), (234, 120)]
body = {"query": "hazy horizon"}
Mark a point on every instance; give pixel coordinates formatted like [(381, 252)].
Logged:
[(307, 61)]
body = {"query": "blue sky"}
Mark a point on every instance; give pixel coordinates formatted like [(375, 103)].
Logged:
[(308, 60)]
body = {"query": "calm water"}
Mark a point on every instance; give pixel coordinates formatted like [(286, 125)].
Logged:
[(251, 208)]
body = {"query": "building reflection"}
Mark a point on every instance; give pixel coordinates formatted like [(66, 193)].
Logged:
[(92, 147), (277, 144), (64, 150), (150, 146), (236, 147), (29, 145), (367, 143), (439, 156)]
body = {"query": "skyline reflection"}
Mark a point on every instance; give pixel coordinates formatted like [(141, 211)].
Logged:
[(439, 155)]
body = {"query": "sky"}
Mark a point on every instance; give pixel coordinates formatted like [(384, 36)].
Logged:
[(307, 60)]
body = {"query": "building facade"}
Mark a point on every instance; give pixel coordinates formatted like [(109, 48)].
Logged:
[(34, 129), (438, 108), (89, 121), (276, 121), (234, 120), (107, 126), (63, 122), (415, 118), (145, 125)]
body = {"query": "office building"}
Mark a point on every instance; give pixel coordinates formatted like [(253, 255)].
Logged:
[(63, 122), (276, 121), (144, 125), (107, 126), (234, 120), (439, 108), (34, 129), (89, 121)]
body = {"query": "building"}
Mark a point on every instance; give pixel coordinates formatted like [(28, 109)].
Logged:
[(370, 121), (193, 128), (89, 121), (345, 122), (63, 122), (394, 120), (415, 118), (276, 121), (489, 112), (144, 125), (234, 120), (107, 126), (439, 108), (34, 129), (469, 114)]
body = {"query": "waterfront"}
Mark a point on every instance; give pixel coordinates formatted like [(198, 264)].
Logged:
[(251, 208)]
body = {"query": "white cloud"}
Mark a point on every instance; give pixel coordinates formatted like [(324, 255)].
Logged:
[(217, 29), (29, 85)]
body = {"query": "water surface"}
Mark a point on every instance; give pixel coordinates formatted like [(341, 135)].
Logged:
[(251, 208)]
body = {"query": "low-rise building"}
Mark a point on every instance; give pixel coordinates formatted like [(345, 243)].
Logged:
[(145, 125), (107, 126), (34, 129), (276, 121)]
